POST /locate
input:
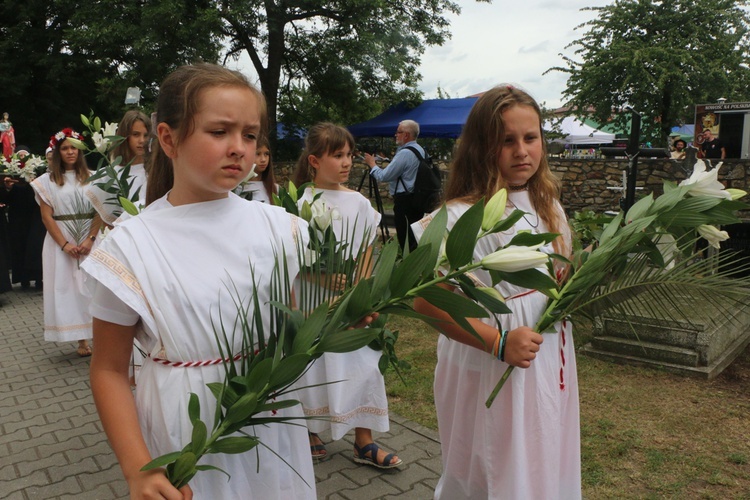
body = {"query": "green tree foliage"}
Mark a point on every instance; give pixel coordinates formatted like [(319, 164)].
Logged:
[(61, 59), (661, 57), (341, 60)]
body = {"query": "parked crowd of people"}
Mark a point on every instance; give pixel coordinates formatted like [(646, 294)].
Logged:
[(159, 279)]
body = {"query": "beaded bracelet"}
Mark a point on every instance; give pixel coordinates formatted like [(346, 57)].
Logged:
[(501, 354), (496, 345)]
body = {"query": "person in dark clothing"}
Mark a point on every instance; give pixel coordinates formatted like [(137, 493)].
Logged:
[(712, 146)]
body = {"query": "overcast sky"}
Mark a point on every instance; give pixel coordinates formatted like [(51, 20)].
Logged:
[(504, 41)]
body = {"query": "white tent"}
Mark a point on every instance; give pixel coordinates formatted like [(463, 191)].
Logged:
[(576, 132)]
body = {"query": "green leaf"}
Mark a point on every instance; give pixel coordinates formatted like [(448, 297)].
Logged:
[(533, 279), (234, 445), (183, 467), (288, 370), (384, 269), (527, 239), (462, 238), (162, 460), (410, 270), (458, 307), (200, 434), (508, 222), (310, 329), (611, 228), (194, 407), (346, 340), (257, 378), (360, 303), (278, 405), (640, 208), (242, 408), (433, 235)]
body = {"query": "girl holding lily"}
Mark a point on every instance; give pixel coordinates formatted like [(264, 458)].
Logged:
[(527, 444)]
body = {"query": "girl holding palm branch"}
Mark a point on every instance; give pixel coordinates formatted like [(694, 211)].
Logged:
[(71, 230)]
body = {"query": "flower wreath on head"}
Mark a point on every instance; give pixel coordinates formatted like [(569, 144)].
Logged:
[(62, 135)]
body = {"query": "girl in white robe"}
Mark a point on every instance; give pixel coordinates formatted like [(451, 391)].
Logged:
[(71, 230), (169, 274), (354, 396), (263, 186), (527, 444), (135, 127)]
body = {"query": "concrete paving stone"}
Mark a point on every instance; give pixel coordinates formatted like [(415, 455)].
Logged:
[(20, 435), (14, 394), (68, 486), (12, 381), (16, 495), (102, 492), (51, 408), (60, 472), (38, 479), (409, 476), (47, 462), (25, 397), (46, 428), (335, 483), (104, 477), (7, 472), (37, 420), (377, 489), (74, 413), (334, 496), (77, 430), (26, 455), (419, 492), (7, 407), (78, 453), (93, 439), (106, 460), (74, 443), (17, 445)]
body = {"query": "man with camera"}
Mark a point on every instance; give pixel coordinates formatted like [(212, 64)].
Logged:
[(401, 173)]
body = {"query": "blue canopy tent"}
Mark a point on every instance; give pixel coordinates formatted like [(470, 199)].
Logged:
[(436, 118)]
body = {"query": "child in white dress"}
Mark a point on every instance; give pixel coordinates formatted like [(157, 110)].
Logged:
[(527, 444), (169, 274), (354, 396)]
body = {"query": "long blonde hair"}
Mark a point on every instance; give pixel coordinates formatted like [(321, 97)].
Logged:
[(475, 172)]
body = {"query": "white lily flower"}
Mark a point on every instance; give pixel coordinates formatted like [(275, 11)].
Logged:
[(705, 183), (76, 143), (515, 258), (494, 209), (322, 216), (492, 292), (712, 235), (100, 142), (309, 257), (249, 175), (109, 129)]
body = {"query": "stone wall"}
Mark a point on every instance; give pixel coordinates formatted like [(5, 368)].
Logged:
[(585, 181)]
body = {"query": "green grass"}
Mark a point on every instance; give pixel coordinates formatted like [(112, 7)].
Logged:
[(645, 433)]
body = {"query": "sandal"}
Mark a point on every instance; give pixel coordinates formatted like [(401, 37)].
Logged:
[(317, 450), (372, 449), (84, 350)]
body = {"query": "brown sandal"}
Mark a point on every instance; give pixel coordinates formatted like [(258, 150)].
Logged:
[(84, 350)]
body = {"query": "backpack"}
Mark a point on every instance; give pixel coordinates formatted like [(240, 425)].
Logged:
[(428, 186)]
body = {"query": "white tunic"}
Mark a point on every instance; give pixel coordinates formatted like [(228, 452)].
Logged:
[(106, 205), (177, 269), (66, 299), (357, 397), (527, 445)]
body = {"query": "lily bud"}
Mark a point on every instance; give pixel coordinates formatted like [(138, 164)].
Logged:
[(76, 143), (494, 209), (306, 212), (736, 194), (492, 292), (515, 258)]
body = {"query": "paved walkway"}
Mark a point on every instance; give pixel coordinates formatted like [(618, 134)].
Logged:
[(52, 444)]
